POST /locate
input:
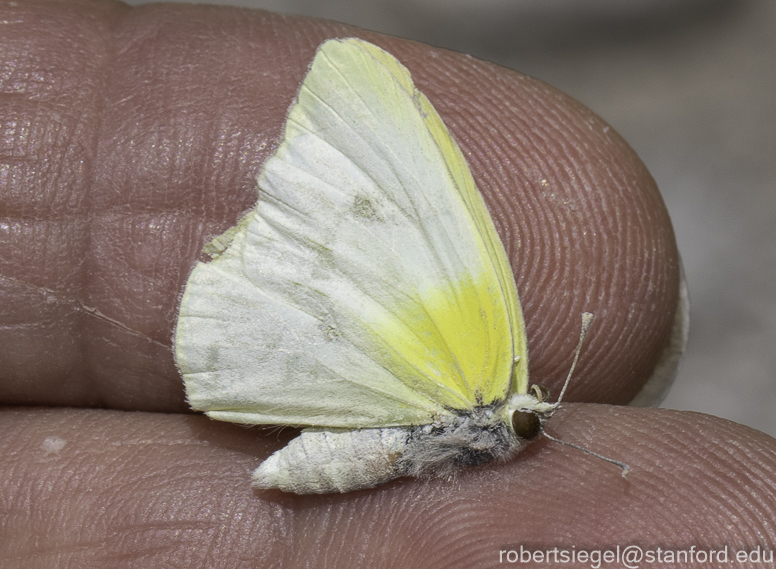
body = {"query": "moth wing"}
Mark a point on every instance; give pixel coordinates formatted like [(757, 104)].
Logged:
[(368, 288), (486, 231)]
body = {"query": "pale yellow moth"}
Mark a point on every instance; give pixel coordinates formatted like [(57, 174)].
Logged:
[(366, 298)]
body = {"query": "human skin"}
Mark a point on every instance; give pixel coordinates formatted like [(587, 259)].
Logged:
[(130, 137)]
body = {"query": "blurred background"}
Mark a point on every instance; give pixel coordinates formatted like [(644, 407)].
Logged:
[(691, 85)]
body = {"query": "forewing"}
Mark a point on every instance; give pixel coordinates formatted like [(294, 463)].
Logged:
[(368, 288)]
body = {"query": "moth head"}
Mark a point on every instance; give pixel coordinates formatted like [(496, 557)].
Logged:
[(528, 412)]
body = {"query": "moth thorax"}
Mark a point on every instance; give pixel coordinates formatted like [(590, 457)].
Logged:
[(530, 411), (466, 438)]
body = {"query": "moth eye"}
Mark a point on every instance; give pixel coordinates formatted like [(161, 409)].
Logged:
[(526, 424)]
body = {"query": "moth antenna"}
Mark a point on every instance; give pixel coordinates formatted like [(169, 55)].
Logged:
[(625, 467), (587, 320)]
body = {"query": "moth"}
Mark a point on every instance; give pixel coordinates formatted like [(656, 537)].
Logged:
[(367, 298)]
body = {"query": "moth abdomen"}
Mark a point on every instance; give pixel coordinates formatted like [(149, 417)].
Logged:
[(322, 461)]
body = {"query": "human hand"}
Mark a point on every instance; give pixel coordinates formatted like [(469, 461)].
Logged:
[(132, 136)]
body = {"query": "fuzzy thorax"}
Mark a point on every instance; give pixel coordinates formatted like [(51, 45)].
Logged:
[(467, 438)]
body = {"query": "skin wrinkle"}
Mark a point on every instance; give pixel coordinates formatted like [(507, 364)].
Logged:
[(53, 296)]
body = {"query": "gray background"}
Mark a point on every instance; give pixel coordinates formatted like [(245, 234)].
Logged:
[(691, 84)]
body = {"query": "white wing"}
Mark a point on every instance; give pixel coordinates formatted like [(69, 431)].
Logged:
[(363, 291)]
